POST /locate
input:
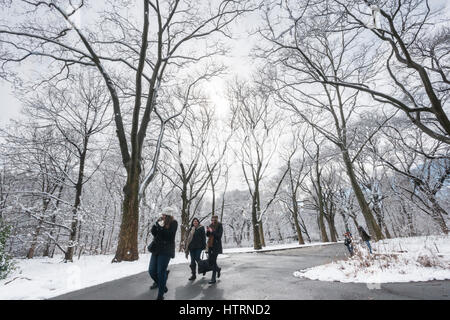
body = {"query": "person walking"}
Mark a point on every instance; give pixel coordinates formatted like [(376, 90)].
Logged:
[(195, 244), (348, 239), (214, 233), (162, 250), (366, 238)]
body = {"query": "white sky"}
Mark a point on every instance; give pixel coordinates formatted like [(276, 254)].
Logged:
[(239, 62)]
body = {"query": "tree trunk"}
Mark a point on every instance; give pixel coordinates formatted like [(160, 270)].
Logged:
[(409, 219), (127, 247), (184, 216), (258, 208), (261, 234), (345, 219), (355, 221), (332, 228), (79, 189), (30, 253), (438, 215), (296, 224), (322, 228), (255, 223), (374, 228)]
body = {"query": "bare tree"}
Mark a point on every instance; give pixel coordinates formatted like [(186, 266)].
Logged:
[(189, 173), (154, 54), (79, 112), (425, 164), (413, 54), (39, 161), (256, 128), (297, 171), (300, 54)]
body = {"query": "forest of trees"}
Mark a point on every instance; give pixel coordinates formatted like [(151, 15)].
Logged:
[(342, 122)]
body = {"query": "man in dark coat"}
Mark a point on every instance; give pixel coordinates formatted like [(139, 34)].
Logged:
[(214, 234), (365, 237)]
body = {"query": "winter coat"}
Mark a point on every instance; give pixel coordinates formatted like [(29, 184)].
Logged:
[(364, 235), (198, 239), (217, 240), (164, 239)]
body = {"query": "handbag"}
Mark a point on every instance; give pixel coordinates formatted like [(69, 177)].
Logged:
[(204, 266), (151, 246)]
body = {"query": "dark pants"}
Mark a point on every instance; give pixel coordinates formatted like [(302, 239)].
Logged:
[(368, 245), (350, 248), (158, 270), (195, 257), (212, 257)]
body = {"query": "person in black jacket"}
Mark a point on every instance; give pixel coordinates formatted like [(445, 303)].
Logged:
[(365, 237), (214, 234), (195, 244), (162, 249)]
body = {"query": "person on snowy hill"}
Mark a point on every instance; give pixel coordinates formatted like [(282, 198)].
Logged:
[(365, 237), (214, 234), (195, 244), (348, 242), (163, 249)]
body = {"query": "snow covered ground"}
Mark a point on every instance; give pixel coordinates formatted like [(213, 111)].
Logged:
[(393, 260), (43, 278)]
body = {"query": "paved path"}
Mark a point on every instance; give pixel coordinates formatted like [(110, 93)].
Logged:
[(260, 276)]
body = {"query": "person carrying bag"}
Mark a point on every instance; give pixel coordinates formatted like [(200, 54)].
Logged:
[(195, 244)]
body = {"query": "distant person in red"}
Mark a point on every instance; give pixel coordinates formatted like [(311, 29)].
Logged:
[(214, 233), (348, 242)]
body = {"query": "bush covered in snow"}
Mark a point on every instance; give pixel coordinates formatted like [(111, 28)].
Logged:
[(6, 264), (393, 260)]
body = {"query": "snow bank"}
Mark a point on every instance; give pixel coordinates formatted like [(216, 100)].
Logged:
[(42, 278), (393, 260)]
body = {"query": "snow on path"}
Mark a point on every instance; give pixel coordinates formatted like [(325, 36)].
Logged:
[(43, 278)]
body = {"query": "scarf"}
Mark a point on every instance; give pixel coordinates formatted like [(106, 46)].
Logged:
[(211, 237), (189, 239)]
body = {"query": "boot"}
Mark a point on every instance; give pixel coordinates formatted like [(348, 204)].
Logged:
[(193, 277), (213, 279), (155, 285)]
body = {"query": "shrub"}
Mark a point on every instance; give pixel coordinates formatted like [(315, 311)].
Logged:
[(6, 264)]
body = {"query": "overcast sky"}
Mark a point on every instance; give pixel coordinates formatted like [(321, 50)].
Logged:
[(239, 62)]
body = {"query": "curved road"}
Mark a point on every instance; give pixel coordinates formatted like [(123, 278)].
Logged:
[(259, 276)]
